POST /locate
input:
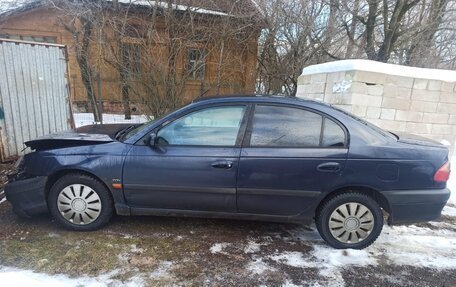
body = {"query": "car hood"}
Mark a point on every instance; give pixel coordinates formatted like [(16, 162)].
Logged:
[(86, 135)]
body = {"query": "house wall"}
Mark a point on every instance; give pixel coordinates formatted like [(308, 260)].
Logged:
[(418, 105), (238, 78)]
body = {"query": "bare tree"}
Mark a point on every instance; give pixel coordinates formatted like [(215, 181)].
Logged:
[(424, 43), (80, 20), (409, 32), (297, 33), (177, 46)]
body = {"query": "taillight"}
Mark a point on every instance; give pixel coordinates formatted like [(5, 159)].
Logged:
[(443, 173)]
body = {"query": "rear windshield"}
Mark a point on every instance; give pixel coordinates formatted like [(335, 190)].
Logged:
[(364, 122)]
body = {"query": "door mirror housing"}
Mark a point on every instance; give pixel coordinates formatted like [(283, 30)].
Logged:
[(152, 140)]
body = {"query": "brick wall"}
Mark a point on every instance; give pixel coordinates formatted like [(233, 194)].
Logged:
[(421, 106)]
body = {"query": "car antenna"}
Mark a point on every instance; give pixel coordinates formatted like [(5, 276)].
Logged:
[(203, 93)]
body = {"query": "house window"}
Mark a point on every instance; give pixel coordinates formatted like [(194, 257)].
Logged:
[(196, 63), (131, 58), (41, 39)]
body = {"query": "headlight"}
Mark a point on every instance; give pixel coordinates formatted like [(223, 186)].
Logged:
[(18, 170)]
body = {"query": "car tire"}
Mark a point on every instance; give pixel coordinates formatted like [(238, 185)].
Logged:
[(80, 202), (349, 220)]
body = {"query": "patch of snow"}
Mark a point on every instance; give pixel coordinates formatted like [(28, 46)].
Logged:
[(3, 200), (83, 119), (162, 270), (258, 267), (252, 247), (416, 246), (287, 283), (325, 257), (449, 210), (135, 249), (291, 258), (218, 247), (451, 184), (12, 277), (7, 5), (341, 258), (378, 67)]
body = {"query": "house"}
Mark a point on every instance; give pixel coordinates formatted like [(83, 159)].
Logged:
[(134, 61)]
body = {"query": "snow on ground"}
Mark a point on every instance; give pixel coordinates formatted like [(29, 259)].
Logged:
[(378, 67), (83, 119), (16, 277), (252, 247), (218, 247), (3, 200), (450, 209), (398, 245)]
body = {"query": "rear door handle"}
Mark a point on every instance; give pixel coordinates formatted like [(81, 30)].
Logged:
[(329, 167), (225, 164)]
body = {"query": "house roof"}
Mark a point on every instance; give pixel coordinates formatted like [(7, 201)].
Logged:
[(8, 7), (243, 8), (236, 7)]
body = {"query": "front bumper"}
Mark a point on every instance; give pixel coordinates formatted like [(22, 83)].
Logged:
[(27, 195), (410, 206)]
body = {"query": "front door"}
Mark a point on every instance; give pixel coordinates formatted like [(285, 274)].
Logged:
[(290, 156), (193, 165)]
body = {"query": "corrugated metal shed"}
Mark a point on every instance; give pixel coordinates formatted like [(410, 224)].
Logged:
[(34, 93)]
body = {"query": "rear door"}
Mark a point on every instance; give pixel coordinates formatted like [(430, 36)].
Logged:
[(290, 155)]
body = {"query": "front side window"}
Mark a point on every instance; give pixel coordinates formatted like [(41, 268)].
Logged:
[(218, 126), (277, 126)]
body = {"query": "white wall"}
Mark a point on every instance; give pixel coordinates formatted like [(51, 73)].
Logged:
[(396, 98)]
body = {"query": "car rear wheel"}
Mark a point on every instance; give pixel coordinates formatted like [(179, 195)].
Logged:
[(80, 202), (350, 220)]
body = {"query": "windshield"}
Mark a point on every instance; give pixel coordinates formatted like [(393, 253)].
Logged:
[(132, 132)]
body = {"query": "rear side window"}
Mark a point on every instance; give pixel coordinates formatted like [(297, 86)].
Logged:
[(333, 134), (278, 126)]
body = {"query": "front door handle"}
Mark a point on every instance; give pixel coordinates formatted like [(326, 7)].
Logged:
[(225, 164), (329, 167)]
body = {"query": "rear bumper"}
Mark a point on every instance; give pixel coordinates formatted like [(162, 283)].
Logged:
[(27, 195), (410, 206)]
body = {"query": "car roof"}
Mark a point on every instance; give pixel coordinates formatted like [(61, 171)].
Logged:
[(256, 98)]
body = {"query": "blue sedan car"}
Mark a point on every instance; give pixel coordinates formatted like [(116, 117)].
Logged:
[(246, 157)]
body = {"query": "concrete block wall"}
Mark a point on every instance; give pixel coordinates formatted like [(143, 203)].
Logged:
[(402, 103)]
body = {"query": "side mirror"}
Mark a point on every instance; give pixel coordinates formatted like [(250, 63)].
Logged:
[(153, 139)]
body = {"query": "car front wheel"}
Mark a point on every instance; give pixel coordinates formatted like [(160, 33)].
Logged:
[(350, 220), (80, 202)]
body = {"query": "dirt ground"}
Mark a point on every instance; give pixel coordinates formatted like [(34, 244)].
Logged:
[(183, 251), (158, 251)]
